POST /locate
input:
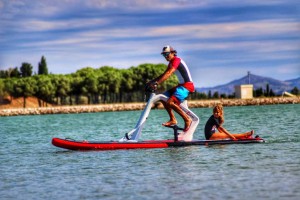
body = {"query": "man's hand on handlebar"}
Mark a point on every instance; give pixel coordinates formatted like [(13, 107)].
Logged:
[(151, 86)]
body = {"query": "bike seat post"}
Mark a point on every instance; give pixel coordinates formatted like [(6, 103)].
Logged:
[(175, 128)]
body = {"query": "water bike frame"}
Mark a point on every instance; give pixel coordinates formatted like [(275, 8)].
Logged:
[(135, 134)]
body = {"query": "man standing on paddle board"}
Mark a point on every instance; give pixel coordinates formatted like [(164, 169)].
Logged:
[(178, 93)]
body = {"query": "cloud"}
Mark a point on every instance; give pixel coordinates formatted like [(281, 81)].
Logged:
[(143, 4), (289, 69), (69, 24), (208, 34), (48, 8), (227, 30), (254, 38), (174, 4), (205, 31)]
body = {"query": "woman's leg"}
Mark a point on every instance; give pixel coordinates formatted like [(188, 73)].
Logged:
[(243, 135), (221, 136)]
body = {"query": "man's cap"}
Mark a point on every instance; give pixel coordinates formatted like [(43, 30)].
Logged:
[(168, 49)]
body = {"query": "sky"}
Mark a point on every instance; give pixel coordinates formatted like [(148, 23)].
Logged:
[(220, 40)]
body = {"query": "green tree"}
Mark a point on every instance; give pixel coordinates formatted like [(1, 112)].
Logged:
[(198, 95), (271, 94), (209, 94), (2, 91), (43, 69), (295, 91), (26, 69), (88, 84), (258, 92), (231, 96), (106, 84), (15, 73), (223, 96), (9, 84), (4, 74), (45, 90), (76, 87), (109, 83), (216, 95), (25, 87), (11, 72), (62, 87), (126, 87), (267, 92)]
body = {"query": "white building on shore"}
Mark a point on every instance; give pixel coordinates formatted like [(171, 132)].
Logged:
[(244, 91)]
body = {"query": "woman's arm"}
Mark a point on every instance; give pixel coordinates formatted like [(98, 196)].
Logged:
[(223, 130)]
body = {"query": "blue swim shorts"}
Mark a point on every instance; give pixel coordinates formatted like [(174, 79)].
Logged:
[(180, 93)]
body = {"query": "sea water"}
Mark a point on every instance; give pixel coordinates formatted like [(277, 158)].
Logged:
[(31, 168)]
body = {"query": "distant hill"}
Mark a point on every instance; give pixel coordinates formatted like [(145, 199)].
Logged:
[(258, 82)]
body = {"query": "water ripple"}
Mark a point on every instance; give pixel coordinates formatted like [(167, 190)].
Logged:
[(31, 168)]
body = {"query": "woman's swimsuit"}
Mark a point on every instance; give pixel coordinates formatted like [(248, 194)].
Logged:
[(210, 127)]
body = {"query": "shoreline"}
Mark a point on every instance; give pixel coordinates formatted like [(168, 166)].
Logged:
[(140, 106)]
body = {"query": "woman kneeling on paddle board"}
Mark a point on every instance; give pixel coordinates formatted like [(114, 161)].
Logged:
[(215, 122)]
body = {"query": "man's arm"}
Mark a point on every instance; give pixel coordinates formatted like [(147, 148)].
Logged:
[(165, 75)]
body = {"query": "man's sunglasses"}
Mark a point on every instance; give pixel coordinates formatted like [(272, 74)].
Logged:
[(166, 54)]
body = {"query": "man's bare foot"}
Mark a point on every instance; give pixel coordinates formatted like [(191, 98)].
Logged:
[(170, 123), (187, 125)]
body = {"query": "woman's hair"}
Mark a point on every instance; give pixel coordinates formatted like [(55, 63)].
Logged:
[(219, 108)]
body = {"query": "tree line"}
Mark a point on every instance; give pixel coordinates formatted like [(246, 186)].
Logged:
[(86, 86), (93, 85), (26, 70)]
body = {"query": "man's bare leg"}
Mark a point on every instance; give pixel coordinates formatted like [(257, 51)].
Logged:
[(172, 120), (187, 120)]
